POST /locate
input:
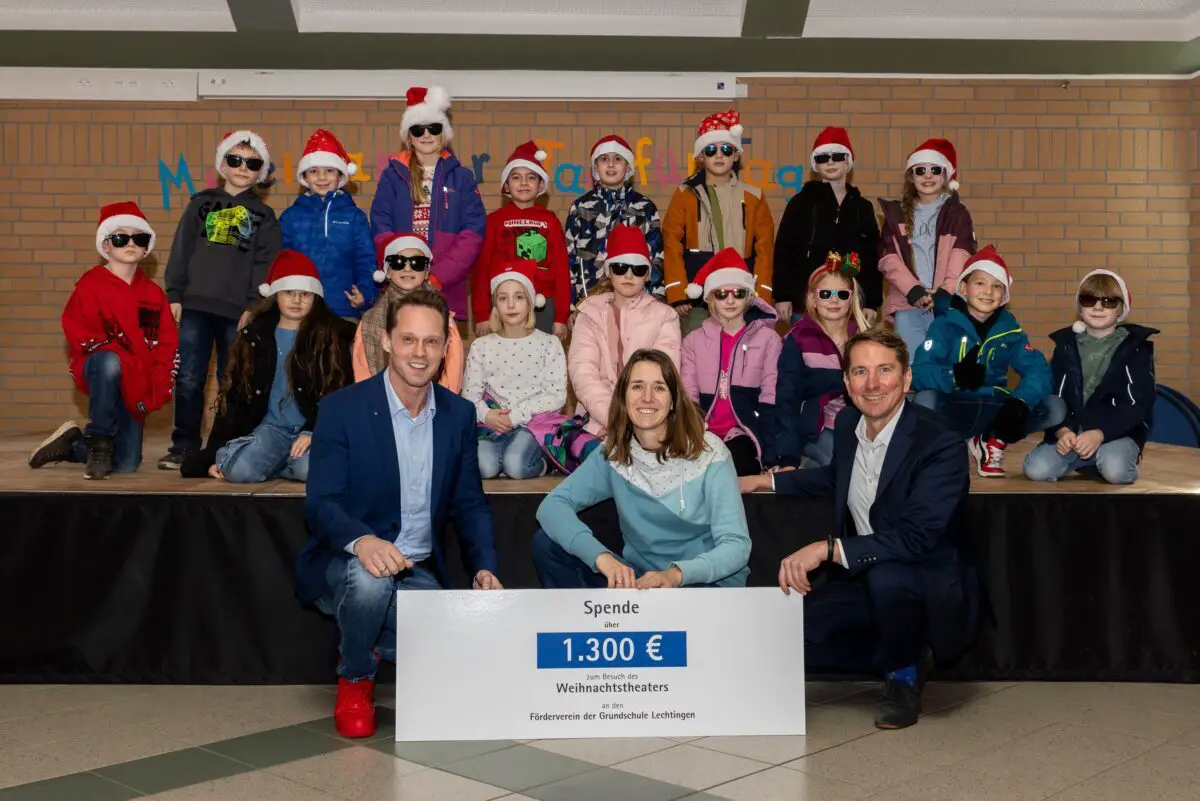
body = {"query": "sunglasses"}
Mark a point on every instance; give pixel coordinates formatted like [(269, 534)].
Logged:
[(726, 150), (121, 240), (934, 170), (825, 158), (740, 294), (415, 263), (418, 131), (840, 294), (639, 270), (254, 164), (1089, 301)]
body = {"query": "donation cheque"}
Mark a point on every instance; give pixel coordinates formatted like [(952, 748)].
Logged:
[(538, 664)]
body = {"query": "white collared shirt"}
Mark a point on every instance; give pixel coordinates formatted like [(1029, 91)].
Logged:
[(864, 477)]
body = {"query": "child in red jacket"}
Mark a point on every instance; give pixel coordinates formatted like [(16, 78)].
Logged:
[(524, 230), (123, 347)]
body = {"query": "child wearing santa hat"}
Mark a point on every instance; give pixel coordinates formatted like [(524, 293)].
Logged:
[(326, 225), (962, 368), (123, 349), (1103, 369), (612, 201), (927, 237), (222, 249), (522, 230), (292, 353), (514, 373), (713, 210)]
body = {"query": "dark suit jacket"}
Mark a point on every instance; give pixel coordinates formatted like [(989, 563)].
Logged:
[(354, 482), (917, 517)]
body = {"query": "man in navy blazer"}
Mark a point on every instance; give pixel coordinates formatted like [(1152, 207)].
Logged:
[(392, 457), (899, 480)]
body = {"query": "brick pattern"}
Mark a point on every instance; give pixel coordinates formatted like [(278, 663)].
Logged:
[(1062, 178)]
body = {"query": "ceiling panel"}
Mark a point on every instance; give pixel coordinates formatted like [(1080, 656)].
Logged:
[(1008, 9), (115, 15)]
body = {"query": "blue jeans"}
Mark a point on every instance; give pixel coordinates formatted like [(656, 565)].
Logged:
[(912, 325), (198, 333), (970, 415), (559, 570), (365, 610), (515, 454), (263, 454), (820, 450), (107, 414), (1116, 461)]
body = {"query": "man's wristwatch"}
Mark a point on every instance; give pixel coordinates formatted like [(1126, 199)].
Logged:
[(829, 555)]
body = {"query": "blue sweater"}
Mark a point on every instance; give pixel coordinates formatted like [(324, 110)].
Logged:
[(334, 233), (686, 514)]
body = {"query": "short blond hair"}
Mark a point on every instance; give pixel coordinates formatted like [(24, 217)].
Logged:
[(494, 318)]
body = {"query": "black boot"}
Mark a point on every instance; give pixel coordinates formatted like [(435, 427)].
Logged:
[(58, 447), (100, 457), (900, 706)]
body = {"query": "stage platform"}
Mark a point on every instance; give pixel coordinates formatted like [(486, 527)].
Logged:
[(152, 578)]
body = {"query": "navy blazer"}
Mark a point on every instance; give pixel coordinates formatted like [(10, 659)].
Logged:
[(354, 482), (917, 517)]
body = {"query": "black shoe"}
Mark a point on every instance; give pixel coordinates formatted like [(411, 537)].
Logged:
[(900, 706), (58, 447), (172, 461), (100, 457)]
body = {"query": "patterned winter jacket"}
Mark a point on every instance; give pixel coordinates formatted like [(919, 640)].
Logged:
[(591, 217)]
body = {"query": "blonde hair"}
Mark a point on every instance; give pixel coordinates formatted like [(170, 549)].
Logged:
[(494, 321), (810, 299)]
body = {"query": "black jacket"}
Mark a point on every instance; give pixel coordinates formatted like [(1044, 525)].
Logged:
[(813, 224), (244, 412)]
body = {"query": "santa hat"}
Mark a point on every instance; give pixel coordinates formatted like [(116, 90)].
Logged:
[(527, 155), (716, 129), (832, 140), (940, 152), (235, 138), (1078, 327), (121, 215), (613, 144), (324, 150), (725, 268), (427, 106), (522, 271), (395, 242), (987, 260), (291, 270), (626, 244)]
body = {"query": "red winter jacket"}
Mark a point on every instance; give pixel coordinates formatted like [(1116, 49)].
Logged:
[(133, 321), (504, 227)]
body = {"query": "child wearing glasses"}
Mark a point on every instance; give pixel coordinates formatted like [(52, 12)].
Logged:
[(426, 191), (826, 215), (1103, 369), (514, 373), (730, 361), (326, 225), (405, 262), (122, 345), (927, 238), (714, 210), (522, 230), (619, 317), (223, 247)]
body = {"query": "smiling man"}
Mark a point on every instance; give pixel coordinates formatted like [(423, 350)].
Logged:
[(901, 582)]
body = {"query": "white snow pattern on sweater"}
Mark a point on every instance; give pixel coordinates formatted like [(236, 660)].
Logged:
[(526, 375)]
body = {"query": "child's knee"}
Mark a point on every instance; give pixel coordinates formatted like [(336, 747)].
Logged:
[(1118, 465)]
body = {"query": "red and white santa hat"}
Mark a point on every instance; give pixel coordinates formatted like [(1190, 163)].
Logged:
[(390, 244), (292, 270), (527, 155), (721, 128), (626, 244), (832, 140), (425, 107), (324, 150), (613, 144), (256, 143), (125, 214), (725, 268), (987, 260), (940, 152), (1078, 327), (522, 271)]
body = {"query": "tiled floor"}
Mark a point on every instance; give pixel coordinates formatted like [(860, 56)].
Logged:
[(977, 742)]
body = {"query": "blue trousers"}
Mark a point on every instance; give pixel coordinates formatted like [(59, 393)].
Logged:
[(970, 415), (515, 454), (559, 570), (199, 332), (1116, 462), (107, 414), (263, 454)]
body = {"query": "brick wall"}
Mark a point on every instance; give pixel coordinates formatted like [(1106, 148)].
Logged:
[(1061, 178)]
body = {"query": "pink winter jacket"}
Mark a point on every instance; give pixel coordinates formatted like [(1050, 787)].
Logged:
[(646, 322), (955, 244)]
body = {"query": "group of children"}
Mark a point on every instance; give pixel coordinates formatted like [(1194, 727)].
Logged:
[(296, 308)]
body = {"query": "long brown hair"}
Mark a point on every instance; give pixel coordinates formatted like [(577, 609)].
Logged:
[(685, 423), (416, 187)]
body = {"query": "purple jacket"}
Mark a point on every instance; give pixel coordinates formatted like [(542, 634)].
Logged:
[(810, 376), (456, 220)]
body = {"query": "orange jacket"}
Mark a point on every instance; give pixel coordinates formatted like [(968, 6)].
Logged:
[(452, 375)]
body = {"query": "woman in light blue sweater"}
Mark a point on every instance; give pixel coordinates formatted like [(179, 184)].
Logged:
[(675, 489)]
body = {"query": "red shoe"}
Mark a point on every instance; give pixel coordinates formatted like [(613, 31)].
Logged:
[(989, 456), (354, 712)]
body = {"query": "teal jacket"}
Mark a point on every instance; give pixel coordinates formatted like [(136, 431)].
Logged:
[(953, 335)]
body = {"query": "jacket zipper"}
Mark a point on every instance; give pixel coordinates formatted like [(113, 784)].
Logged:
[(328, 206)]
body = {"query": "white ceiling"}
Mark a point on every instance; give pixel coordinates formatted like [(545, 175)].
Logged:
[(115, 15)]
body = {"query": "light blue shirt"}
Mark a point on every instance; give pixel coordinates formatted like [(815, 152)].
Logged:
[(924, 239), (414, 453), (282, 409)]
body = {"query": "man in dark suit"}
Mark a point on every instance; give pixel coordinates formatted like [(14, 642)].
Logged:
[(392, 457), (899, 481)]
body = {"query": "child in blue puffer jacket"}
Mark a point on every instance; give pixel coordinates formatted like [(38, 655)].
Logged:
[(962, 368), (325, 224)]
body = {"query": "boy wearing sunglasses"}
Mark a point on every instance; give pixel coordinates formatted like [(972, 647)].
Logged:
[(222, 250), (713, 210), (1103, 369), (122, 344)]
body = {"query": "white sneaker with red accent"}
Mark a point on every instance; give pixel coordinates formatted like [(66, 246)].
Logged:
[(989, 456)]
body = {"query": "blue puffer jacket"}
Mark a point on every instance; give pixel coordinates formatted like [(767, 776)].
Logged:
[(334, 233)]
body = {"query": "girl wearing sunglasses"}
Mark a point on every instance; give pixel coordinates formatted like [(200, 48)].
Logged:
[(927, 237), (730, 361), (427, 191), (405, 262)]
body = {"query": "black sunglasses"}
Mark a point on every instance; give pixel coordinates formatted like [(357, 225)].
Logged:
[(840, 294), (934, 170), (740, 294), (1088, 301), (620, 268), (726, 150), (418, 131), (415, 263), (825, 158), (254, 164), (121, 240)]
